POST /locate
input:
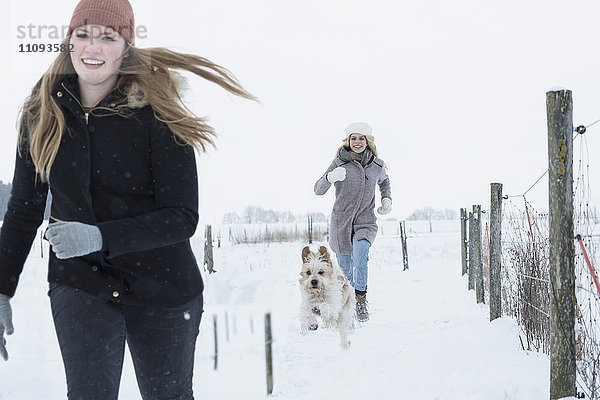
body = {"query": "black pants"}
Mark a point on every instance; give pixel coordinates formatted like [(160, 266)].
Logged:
[(92, 333)]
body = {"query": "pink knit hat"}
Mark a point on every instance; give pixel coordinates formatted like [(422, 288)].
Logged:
[(116, 14)]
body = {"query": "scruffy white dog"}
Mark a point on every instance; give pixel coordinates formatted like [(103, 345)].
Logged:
[(326, 293)]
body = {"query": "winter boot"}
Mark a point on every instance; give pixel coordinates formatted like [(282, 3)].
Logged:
[(362, 311)]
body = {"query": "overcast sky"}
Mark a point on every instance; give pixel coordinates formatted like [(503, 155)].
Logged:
[(455, 91)]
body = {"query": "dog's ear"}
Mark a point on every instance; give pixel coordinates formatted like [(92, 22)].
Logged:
[(325, 254), (305, 253)]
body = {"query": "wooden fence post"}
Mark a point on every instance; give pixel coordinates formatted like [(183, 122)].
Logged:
[(559, 109), (463, 239), (471, 258), (479, 291), (310, 229), (208, 251), (404, 246), (226, 326), (234, 324), (496, 251), (216, 356), (269, 353)]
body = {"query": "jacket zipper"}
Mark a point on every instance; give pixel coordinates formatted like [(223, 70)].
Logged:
[(86, 115), (78, 102), (86, 122)]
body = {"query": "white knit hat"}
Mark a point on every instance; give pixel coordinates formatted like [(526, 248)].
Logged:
[(361, 128)]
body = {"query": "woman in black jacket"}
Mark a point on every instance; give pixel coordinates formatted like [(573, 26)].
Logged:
[(105, 131)]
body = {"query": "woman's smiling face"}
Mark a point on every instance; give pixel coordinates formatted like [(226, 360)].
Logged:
[(96, 54), (358, 142)]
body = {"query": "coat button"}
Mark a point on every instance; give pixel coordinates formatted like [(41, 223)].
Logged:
[(115, 294), (59, 94)]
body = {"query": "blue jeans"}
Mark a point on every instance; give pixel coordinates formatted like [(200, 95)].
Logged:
[(355, 265), (92, 333)]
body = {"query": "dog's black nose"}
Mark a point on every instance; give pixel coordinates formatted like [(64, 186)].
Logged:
[(314, 283)]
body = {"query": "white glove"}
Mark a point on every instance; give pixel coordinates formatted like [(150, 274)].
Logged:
[(386, 206), (6, 325), (338, 174)]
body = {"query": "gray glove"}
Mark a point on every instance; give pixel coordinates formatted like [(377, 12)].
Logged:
[(5, 324), (73, 239)]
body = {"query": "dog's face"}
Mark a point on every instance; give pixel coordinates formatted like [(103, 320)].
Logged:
[(317, 270)]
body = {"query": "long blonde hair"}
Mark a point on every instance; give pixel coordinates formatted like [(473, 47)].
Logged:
[(146, 76)]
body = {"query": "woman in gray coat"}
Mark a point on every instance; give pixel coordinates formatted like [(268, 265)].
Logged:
[(355, 172)]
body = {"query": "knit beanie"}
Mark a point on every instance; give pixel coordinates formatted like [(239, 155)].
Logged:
[(362, 128), (115, 14)]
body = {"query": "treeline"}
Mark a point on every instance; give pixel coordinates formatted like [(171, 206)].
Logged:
[(258, 215), (5, 189), (429, 213)]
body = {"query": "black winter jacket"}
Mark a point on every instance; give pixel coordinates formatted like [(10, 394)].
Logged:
[(128, 175)]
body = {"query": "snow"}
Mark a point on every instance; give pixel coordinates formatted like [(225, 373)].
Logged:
[(557, 89), (426, 339)]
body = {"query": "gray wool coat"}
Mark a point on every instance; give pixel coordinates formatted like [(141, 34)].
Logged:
[(353, 210)]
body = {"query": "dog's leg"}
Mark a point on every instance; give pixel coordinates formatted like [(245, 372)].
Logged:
[(346, 322), (344, 341), (309, 325), (329, 315), (308, 320), (330, 312), (312, 323)]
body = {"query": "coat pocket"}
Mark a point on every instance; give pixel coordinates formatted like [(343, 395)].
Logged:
[(341, 205)]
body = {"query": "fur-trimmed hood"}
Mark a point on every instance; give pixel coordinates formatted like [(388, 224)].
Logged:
[(136, 98), (129, 95)]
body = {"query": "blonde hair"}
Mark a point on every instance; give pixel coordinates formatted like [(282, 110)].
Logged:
[(370, 139), (147, 77)]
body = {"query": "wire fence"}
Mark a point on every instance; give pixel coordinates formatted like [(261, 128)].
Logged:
[(525, 257), (586, 225), (525, 252)]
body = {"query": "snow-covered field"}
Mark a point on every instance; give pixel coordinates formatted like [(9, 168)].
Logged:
[(427, 339)]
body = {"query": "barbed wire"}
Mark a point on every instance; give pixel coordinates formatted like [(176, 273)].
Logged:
[(534, 277), (580, 130), (537, 309)]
